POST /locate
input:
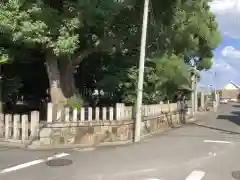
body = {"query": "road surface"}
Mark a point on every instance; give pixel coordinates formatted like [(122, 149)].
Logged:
[(205, 150)]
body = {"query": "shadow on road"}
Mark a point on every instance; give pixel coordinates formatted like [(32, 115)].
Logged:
[(218, 129), (234, 118), (236, 106)]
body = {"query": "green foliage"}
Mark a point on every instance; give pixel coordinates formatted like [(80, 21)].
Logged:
[(178, 32), (10, 87), (34, 23), (75, 102)]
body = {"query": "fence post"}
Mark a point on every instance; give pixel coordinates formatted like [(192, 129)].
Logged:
[(24, 128), (89, 114), (67, 117), (34, 123), (75, 115), (104, 113), (46, 131), (97, 118), (7, 126), (1, 125), (82, 115), (111, 113), (119, 111), (16, 126), (50, 113)]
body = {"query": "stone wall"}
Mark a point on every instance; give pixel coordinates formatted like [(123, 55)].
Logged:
[(101, 132), (86, 126)]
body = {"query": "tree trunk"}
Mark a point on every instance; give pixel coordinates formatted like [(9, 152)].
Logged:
[(67, 82), (56, 93), (61, 80)]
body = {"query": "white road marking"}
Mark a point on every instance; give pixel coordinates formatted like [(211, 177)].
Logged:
[(3, 149), (212, 154), (31, 163), (134, 172), (221, 142), (84, 149), (196, 175)]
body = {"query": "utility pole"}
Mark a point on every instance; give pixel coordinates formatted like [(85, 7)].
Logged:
[(193, 94), (138, 120), (1, 103)]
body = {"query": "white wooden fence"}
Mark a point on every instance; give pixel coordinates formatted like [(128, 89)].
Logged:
[(25, 128)]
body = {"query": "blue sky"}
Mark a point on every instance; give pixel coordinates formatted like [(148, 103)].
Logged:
[(226, 61)]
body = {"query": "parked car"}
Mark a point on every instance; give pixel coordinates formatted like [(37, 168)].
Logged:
[(233, 100), (223, 101)]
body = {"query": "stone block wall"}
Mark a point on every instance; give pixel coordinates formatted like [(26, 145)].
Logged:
[(100, 132), (88, 134), (87, 126)]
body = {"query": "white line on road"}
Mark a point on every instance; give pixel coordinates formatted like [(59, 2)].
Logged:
[(84, 149), (214, 141), (134, 172), (31, 163), (196, 175), (212, 154)]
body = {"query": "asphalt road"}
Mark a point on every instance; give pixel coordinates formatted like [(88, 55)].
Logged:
[(205, 150)]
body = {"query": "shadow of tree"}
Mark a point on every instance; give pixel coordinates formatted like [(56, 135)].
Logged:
[(235, 118), (236, 106), (218, 129)]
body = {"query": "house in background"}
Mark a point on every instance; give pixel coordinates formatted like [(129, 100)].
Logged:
[(230, 91)]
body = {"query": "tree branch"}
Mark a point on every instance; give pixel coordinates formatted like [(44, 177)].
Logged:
[(83, 54)]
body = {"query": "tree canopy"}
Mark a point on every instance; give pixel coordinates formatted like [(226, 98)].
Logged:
[(100, 40)]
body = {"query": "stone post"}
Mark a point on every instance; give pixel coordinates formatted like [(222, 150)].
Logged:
[(16, 126), (111, 113), (24, 128), (90, 114), (34, 123), (104, 113), (1, 125), (67, 113), (7, 126), (75, 115), (97, 114), (82, 118), (46, 131), (119, 111)]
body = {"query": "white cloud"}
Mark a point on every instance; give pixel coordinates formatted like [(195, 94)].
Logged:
[(227, 64), (228, 16), (231, 52), (224, 69)]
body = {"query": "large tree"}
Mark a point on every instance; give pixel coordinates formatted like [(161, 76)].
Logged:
[(66, 32), (179, 32)]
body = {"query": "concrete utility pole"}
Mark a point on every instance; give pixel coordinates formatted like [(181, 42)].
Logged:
[(137, 134), (193, 94), (196, 96), (1, 103)]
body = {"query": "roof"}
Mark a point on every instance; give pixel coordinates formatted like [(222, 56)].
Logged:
[(230, 87)]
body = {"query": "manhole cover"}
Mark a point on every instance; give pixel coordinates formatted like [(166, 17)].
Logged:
[(236, 174), (59, 162)]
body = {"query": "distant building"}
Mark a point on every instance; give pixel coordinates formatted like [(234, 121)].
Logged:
[(231, 91)]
